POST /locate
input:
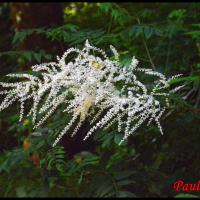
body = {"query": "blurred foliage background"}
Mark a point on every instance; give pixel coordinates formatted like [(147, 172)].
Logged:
[(163, 36)]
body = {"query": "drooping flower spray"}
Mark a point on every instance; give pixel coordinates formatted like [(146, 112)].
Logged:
[(99, 88)]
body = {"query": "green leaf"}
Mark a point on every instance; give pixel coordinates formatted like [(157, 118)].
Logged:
[(28, 55), (21, 192), (19, 37), (126, 194), (122, 175), (183, 195), (22, 35), (125, 182), (148, 31), (118, 138), (197, 65), (181, 79), (37, 56)]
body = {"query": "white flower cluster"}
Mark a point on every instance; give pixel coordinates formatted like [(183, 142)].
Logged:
[(90, 85)]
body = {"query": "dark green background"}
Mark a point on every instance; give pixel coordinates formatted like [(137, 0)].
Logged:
[(164, 36)]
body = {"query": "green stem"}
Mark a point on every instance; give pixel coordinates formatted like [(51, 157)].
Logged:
[(146, 47)]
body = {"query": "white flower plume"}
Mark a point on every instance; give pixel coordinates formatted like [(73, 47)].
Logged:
[(89, 84)]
